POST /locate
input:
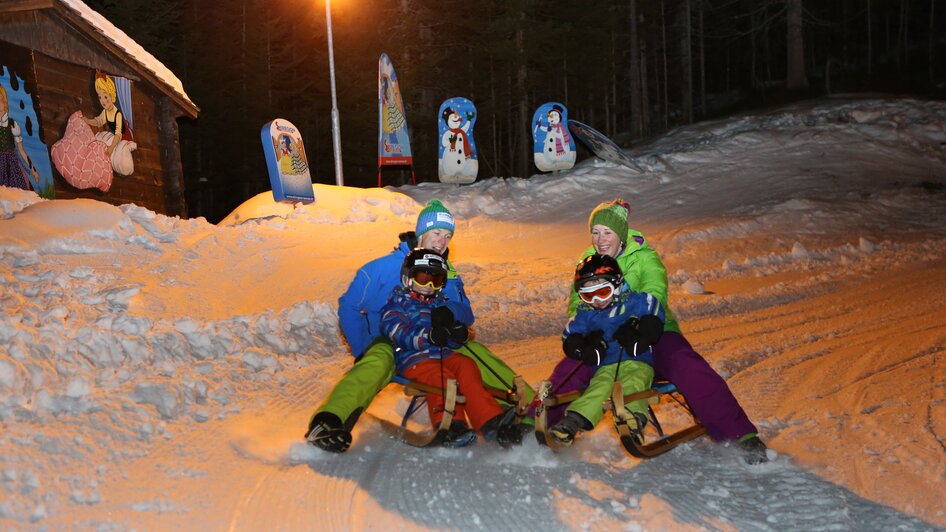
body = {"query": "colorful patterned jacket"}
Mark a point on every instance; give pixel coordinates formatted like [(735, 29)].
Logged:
[(406, 321)]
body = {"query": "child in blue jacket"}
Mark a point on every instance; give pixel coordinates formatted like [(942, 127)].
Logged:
[(612, 331), (420, 321)]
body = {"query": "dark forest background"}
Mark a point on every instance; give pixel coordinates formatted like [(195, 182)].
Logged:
[(631, 69)]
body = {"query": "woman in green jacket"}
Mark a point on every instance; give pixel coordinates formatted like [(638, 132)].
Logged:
[(674, 358)]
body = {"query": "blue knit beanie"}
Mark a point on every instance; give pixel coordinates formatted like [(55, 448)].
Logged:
[(434, 216)]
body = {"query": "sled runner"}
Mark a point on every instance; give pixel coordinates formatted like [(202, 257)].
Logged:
[(433, 438), (655, 443), (430, 438)]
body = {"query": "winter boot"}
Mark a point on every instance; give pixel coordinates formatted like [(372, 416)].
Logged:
[(490, 429), (511, 434), (637, 432), (753, 449), (564, 431), (458, 435), (327, 432)]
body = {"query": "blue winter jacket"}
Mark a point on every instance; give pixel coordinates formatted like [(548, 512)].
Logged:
[(359, 308), (627, 305), (406, 321)]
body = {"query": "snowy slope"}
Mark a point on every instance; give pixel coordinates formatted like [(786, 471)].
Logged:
[(158, 372)]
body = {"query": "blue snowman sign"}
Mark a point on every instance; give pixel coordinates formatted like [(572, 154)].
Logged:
[(553, 147), (457, 151)]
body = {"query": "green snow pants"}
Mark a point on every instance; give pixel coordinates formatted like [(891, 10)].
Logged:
[(635, 377), (375, 369)]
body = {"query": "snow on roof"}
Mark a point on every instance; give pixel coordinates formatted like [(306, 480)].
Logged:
[(126, 43)]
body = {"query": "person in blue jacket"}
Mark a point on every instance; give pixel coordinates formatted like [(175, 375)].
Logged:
[(612, 332), (359, 313)]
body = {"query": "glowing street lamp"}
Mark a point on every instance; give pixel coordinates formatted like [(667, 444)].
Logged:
[(336, 128)]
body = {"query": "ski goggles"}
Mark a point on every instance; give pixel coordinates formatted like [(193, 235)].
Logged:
[(598, 292), (431, 279)]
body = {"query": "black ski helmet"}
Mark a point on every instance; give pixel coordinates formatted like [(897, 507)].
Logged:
[(598, 267), (426, 260)]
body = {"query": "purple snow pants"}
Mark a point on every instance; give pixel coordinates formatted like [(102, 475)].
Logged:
[(578, 376), (675, 361), (709, 396)]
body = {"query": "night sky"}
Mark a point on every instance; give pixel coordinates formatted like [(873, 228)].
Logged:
[(256, 60)]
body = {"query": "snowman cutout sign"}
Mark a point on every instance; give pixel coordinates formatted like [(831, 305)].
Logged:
[(553, 147), (457, 151)]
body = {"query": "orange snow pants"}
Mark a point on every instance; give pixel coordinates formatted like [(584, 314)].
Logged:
[(480, 406)]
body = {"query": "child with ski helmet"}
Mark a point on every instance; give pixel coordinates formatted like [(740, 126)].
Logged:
[(420, 321), (611, 332), (675, 359)]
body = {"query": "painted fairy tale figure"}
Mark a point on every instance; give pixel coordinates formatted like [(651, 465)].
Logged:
[(93, 148), (291, 159), (393, 119), (114, 128), (13, 173)]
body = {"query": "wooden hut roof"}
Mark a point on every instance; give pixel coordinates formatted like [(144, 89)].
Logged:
[(99, 29)]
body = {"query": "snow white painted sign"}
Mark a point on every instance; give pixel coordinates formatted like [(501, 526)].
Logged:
[(286, 162), (553, 147), (602, 146), (457, 151)]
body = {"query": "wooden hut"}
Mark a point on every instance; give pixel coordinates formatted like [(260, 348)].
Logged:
[(58, 48)]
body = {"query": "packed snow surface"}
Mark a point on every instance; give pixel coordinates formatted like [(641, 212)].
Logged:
[(158, 373)]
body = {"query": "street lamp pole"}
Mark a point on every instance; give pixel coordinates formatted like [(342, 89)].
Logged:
[(336, 128)]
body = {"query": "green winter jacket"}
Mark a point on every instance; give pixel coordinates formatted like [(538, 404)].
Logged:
[(643, 271)]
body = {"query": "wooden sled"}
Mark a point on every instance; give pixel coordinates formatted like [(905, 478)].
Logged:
[(656, 442), (418, 393)]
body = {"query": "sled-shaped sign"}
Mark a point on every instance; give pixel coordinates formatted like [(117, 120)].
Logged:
[(602, 146), (457, 151), (286, 162), (553, 147)]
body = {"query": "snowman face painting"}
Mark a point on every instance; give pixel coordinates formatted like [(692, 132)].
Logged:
[(454, 140), (555, 118), (557, 141), (453, 120), (457, 151)]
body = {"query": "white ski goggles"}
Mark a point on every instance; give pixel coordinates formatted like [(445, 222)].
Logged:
[(597, 292)]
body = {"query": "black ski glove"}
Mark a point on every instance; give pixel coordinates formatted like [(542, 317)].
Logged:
[(572, 345), (441, 316), (594, 349), (439, 335), (650, 329), (459, 332), (627, 334), (644, 332)]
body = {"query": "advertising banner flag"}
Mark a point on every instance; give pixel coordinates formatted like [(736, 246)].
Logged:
[(394, 145)]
